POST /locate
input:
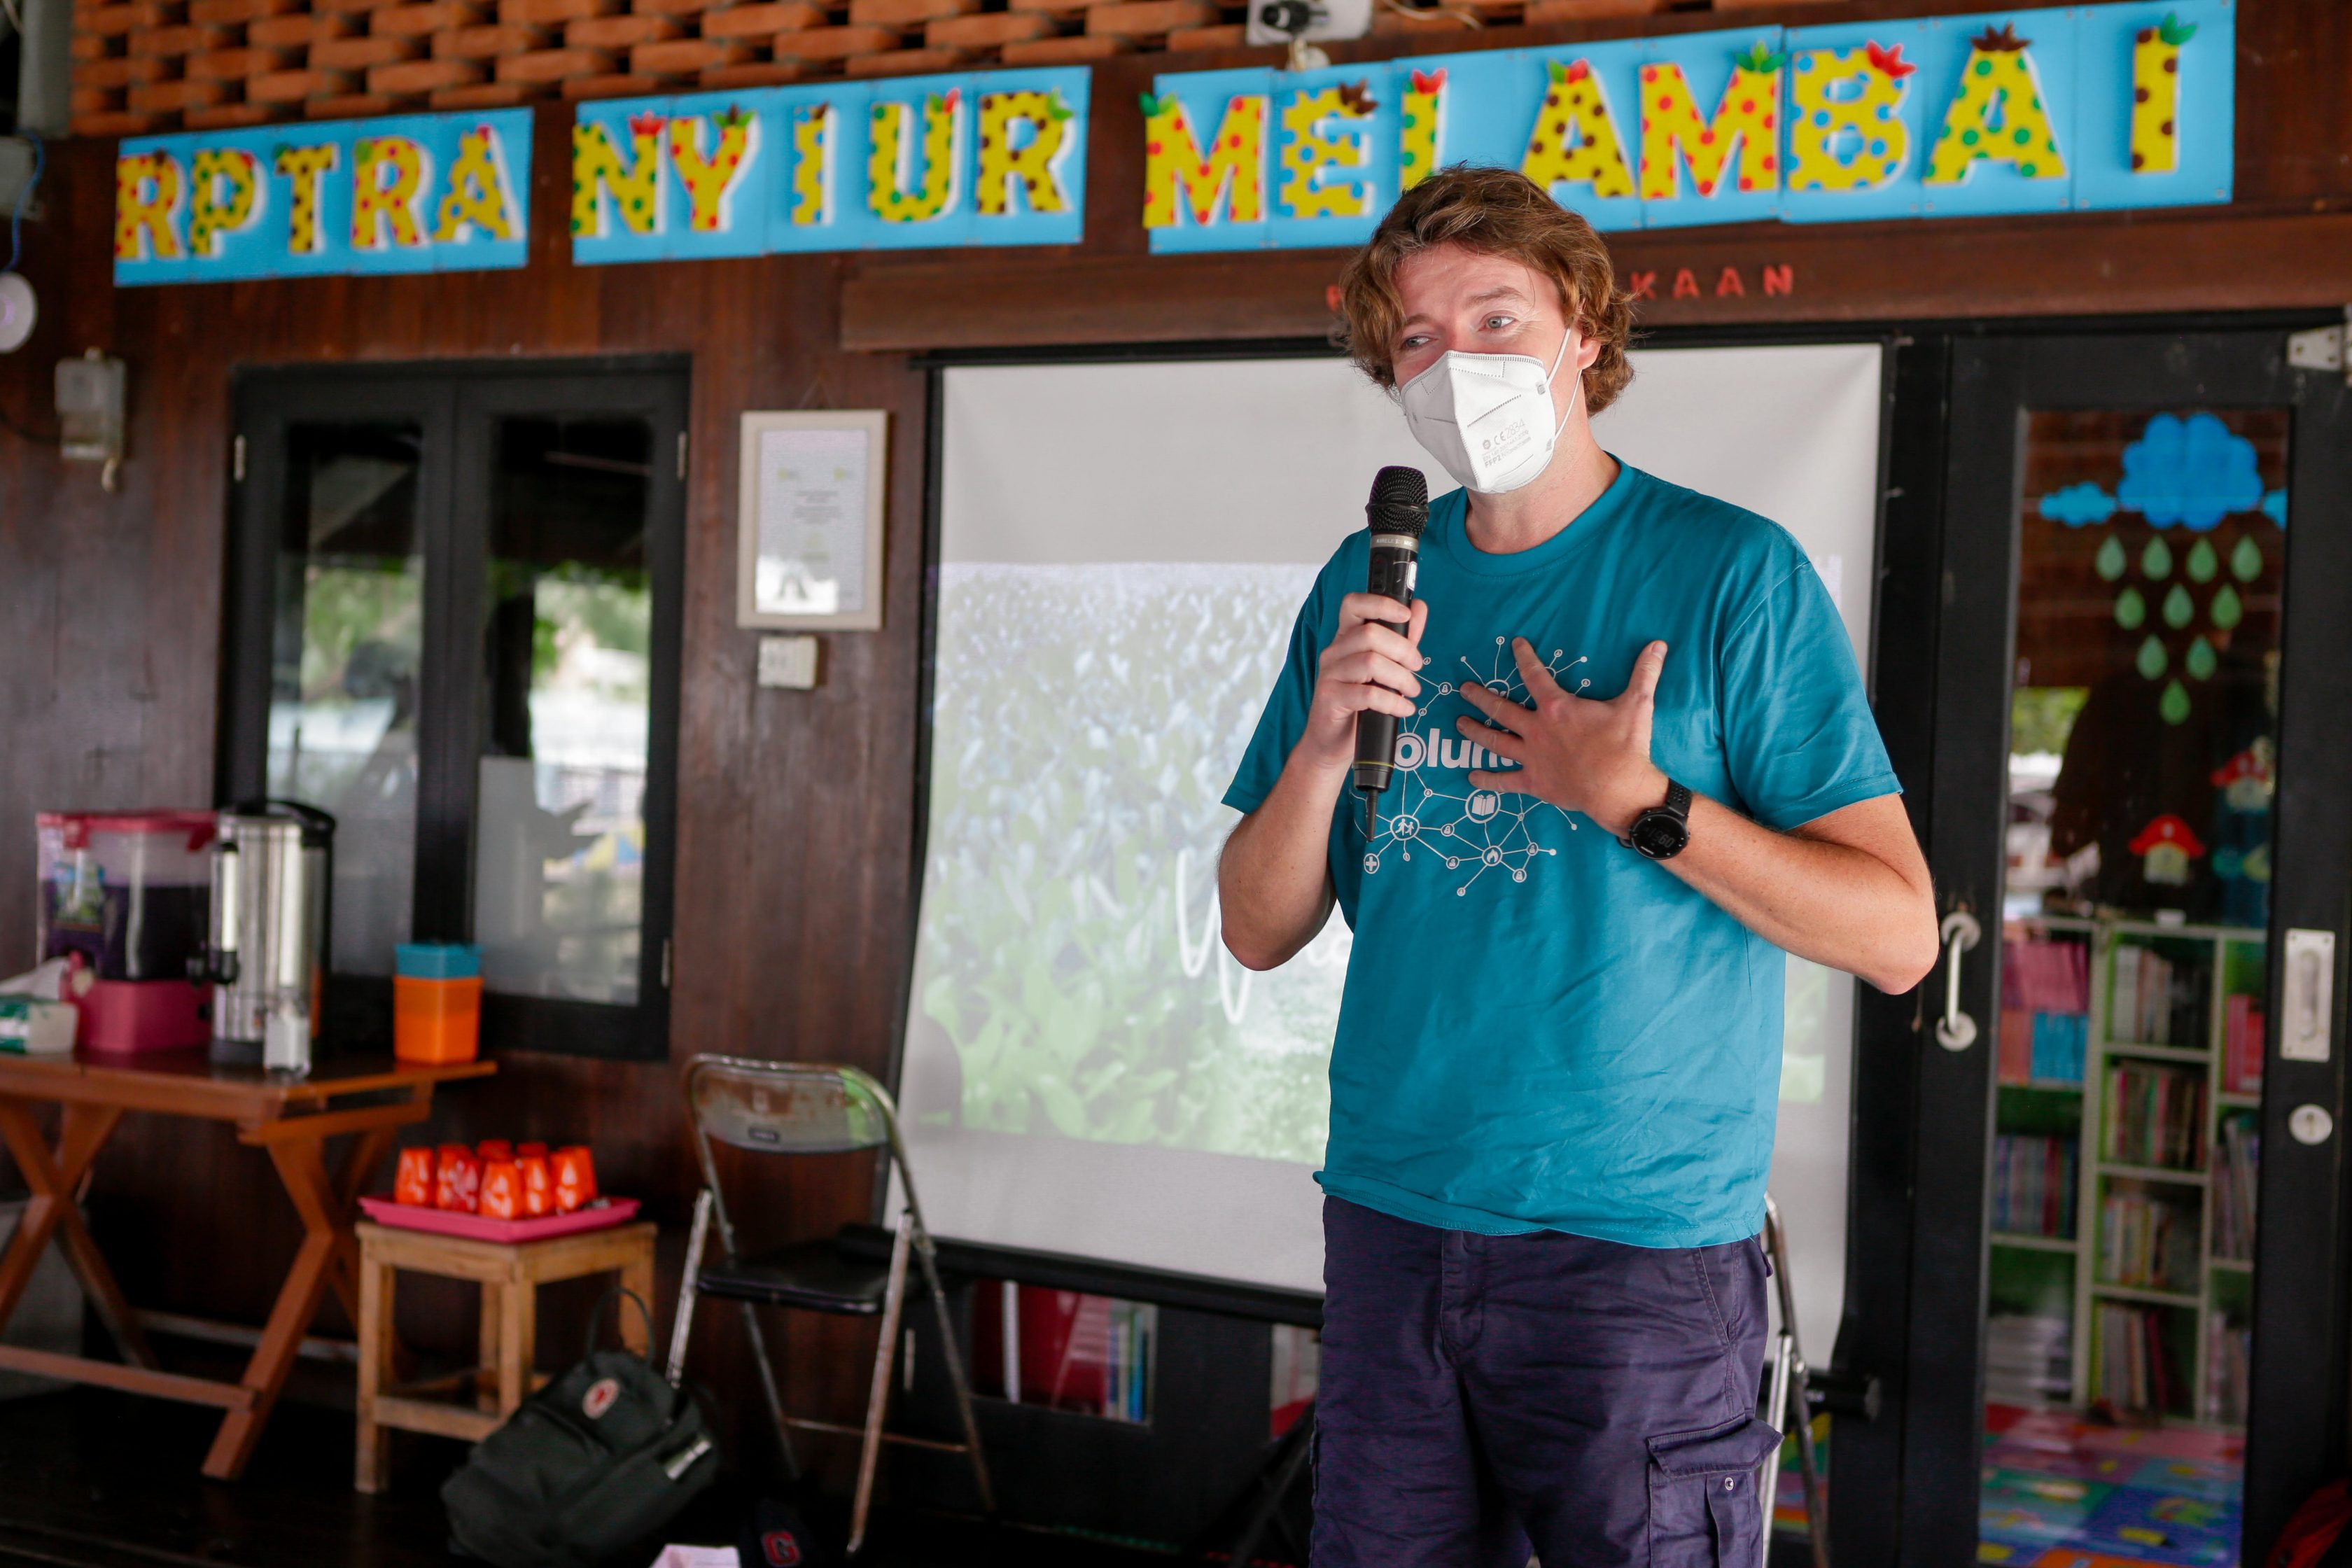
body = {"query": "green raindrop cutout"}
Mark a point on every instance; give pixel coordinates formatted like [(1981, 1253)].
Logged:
[(2227, 608), (2152, 661), (2130, 609), (2156, 561), (2174, 703), (2203, 562), (2179, 609), (2111, 559), (2201, 661), (2245, 561)]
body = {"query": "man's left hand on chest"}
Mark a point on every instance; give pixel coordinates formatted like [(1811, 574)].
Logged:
[(1580, 753)]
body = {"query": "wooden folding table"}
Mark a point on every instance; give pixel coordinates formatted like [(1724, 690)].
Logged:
[(292, 1117)]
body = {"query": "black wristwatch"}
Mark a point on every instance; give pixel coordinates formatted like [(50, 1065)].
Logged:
[(1663, 830)]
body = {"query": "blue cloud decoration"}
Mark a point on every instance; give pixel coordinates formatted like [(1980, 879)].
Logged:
[(2192, 472)]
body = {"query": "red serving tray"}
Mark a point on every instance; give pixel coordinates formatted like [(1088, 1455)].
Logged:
[(599, 1215)]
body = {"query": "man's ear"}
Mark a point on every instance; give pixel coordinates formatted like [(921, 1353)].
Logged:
[(1587, 348)]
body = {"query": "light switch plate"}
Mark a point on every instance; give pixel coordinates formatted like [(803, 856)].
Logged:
[(788, 662), (2310, 984)]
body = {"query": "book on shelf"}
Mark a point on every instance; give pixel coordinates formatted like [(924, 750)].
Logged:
[(1298, 1370), (2156, 1002), (2147, 1242), (2154, 1116), (2133, 1370), (2029, 1360), (2033, 1184), (2040, 974), (2228, 1369), (2242, 1046), (1089, 1354), (2046, 1000), (2237, 1168), (2047, 1049)]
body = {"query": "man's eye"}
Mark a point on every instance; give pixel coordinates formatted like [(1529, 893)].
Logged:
[(1495, 323)]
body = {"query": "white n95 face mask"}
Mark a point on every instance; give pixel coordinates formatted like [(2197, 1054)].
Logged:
[(1487, 418)]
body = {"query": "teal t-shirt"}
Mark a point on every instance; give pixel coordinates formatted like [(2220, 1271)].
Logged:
[(1541, 1030)]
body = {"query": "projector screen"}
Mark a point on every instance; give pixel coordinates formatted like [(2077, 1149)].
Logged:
[(1123, 549)]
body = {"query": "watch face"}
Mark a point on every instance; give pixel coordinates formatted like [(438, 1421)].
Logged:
[(1659, 836)]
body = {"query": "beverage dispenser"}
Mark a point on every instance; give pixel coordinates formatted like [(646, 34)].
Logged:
[(128, 894), (267, 957)]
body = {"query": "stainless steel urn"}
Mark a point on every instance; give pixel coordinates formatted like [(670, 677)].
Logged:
[(266, 956)]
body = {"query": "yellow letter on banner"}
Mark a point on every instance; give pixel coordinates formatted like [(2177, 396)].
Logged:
[(1997, 116), (304, 169), (812, 126), (224, 196), (710, 181), (1575, 140), (478, 195), (1035, 166), (2156, 96), (389, 174), (1742, 133), (598, 172), (1173, 161), (887, 191), (1845, 125), (1421, 134), (146, 207), (1309, 148)]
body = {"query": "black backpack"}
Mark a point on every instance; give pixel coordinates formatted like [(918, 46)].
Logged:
[(590, 1466)]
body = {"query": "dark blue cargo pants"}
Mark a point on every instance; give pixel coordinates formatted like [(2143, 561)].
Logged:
[(1484, 1396)]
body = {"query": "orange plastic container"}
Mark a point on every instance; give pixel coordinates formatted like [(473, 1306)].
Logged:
[(436, 1020)]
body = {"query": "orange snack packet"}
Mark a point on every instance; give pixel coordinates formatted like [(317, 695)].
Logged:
[(576, 1179), (413, 1185), (494, 1149), (538, 1185), (502, 1190), (458, 1179), (530, 1151)]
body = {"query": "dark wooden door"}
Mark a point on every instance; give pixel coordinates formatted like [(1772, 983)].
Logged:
[(2117, 603)]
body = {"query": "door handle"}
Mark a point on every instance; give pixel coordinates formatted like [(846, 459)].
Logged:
[(1956, 1031)]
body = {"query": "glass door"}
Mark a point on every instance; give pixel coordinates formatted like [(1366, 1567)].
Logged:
[(454, 625), (2139, 785)]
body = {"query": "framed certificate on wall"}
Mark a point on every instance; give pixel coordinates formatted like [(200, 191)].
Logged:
[(810, 520)]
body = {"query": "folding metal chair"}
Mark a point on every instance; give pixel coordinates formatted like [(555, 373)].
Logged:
[(799, 1108)]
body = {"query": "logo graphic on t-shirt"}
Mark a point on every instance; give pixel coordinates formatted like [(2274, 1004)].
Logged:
[(1437, 810)]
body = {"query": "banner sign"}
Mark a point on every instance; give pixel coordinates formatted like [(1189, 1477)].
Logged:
[(987, 158), (437, 193), (2096, 107)]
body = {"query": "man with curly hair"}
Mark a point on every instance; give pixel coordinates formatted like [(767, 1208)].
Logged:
[(1636, 761)]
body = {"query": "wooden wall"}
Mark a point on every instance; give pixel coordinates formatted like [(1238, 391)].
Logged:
[(796, 810)]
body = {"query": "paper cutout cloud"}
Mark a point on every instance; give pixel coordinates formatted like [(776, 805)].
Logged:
[(2078, 505), (2192, 471), (2275, 507)]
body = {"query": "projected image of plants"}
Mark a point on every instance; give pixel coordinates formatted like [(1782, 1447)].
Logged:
[(1087, 720)]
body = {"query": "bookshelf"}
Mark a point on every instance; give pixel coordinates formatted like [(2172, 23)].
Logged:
[(2129, 1062)]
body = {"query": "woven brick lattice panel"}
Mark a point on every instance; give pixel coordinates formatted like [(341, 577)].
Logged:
[(143, 66)]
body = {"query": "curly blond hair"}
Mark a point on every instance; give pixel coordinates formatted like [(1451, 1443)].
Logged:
[(1494, 212)]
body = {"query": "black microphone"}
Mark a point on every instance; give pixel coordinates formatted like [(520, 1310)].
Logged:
[(1396, 514)]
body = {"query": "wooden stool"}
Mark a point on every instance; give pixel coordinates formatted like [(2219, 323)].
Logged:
[(510, 1274)]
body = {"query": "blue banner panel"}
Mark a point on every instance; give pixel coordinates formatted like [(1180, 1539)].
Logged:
[(441, 192), (985, 158), (2112, 106)]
